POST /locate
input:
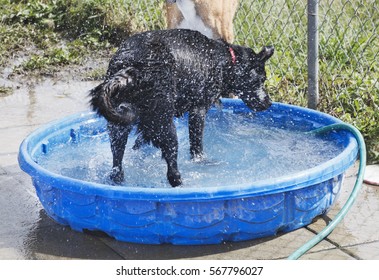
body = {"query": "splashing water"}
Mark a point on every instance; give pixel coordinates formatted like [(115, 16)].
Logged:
[(238, 151)]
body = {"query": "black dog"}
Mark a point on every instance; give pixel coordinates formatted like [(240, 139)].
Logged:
[(157, 75)]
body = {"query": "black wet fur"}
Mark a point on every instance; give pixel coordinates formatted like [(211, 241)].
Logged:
[(157, 75)]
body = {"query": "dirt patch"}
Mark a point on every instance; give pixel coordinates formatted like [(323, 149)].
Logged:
[(91, 69)]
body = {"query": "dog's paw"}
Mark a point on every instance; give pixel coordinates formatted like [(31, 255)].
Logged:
[(174, 179), (117, 175), (198, 157)]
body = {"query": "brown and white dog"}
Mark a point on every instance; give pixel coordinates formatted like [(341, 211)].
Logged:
[(213, 18)]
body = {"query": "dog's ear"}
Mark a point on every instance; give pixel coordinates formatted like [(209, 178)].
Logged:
[(243, 54), (266, 53)]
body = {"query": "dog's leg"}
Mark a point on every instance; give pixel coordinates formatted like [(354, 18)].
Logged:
[(159, 128), (169, 148), (118, 136), (196, 132)]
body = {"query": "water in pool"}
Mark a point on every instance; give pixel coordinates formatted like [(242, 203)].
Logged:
[(238, 151)]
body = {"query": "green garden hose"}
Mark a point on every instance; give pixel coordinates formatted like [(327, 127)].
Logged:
[(358, 184)]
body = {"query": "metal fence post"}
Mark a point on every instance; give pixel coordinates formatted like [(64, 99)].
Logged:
[(313, 94)]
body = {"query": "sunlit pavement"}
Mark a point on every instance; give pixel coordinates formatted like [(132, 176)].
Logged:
[(27, 233)]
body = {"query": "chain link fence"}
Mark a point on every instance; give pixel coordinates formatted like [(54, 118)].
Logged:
[(348, 52), (348, 49)]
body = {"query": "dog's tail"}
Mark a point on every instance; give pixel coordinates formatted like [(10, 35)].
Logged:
[(107, 99)]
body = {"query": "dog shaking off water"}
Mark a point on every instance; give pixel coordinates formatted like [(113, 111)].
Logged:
[(157, 75)]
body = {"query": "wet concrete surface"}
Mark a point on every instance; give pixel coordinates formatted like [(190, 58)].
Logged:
[(27, 233)]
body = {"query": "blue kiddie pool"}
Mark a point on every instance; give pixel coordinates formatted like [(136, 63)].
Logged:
[(264, 173)]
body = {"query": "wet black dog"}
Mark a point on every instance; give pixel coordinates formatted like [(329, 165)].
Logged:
[(157, 75)]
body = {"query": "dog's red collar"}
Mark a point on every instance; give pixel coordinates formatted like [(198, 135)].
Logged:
[(233, 55)]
